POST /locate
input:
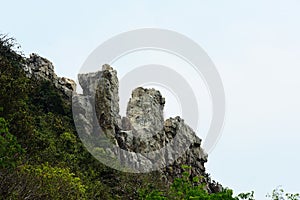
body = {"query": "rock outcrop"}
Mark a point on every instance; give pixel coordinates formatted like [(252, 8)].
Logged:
[(42, 69), (143, 131), (142, 139)]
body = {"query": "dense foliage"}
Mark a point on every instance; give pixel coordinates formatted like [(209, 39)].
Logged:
[(41, 156), (187, 188)]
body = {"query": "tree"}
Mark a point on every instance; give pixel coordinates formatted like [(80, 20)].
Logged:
[(10, 150)]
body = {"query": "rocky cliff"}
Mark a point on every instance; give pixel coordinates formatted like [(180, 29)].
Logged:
[(41, 68), (137, 135)]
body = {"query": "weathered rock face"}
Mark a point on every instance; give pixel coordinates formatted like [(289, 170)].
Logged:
[(42, 69), (107, 101), (143, 130), (145, 111), (102, 89)]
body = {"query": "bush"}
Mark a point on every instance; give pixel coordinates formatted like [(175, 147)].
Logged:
[(10, 150), (279, 194), (42, 182), (186, 188)]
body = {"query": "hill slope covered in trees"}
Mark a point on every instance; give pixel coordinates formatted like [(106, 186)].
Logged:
[(41, 156)]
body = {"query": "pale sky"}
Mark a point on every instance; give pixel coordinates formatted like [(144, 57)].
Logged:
[(255, 46)]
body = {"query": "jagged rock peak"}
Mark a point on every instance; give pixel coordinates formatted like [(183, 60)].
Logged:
[(90, 81), (152, 93), (143, 130), (42, 69), (107, 67), (107, 101), (145, 111)]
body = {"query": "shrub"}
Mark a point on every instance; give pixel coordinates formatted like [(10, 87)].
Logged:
[(10, 150)]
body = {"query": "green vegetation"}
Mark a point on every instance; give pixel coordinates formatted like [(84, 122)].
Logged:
[(9, 147), (279, 194), (187, 188), (41, 156), (43, 182)]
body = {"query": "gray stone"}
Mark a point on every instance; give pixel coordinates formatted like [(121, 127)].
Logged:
[(145, 112), (140, 133), (143, 130), (42, 69)]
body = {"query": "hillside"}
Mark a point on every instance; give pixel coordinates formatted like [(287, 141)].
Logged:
[(41, 154), (46, 153)]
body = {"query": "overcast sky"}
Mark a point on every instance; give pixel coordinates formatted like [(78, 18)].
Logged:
[(255, 46)]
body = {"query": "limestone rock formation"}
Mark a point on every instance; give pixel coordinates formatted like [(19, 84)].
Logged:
[(42, 69), (101, 88), (139, 134), (145, 111), (143, 130)]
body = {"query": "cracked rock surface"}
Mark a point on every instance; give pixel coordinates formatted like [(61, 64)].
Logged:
[(41, 68), (136, 137), (143, 131)]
